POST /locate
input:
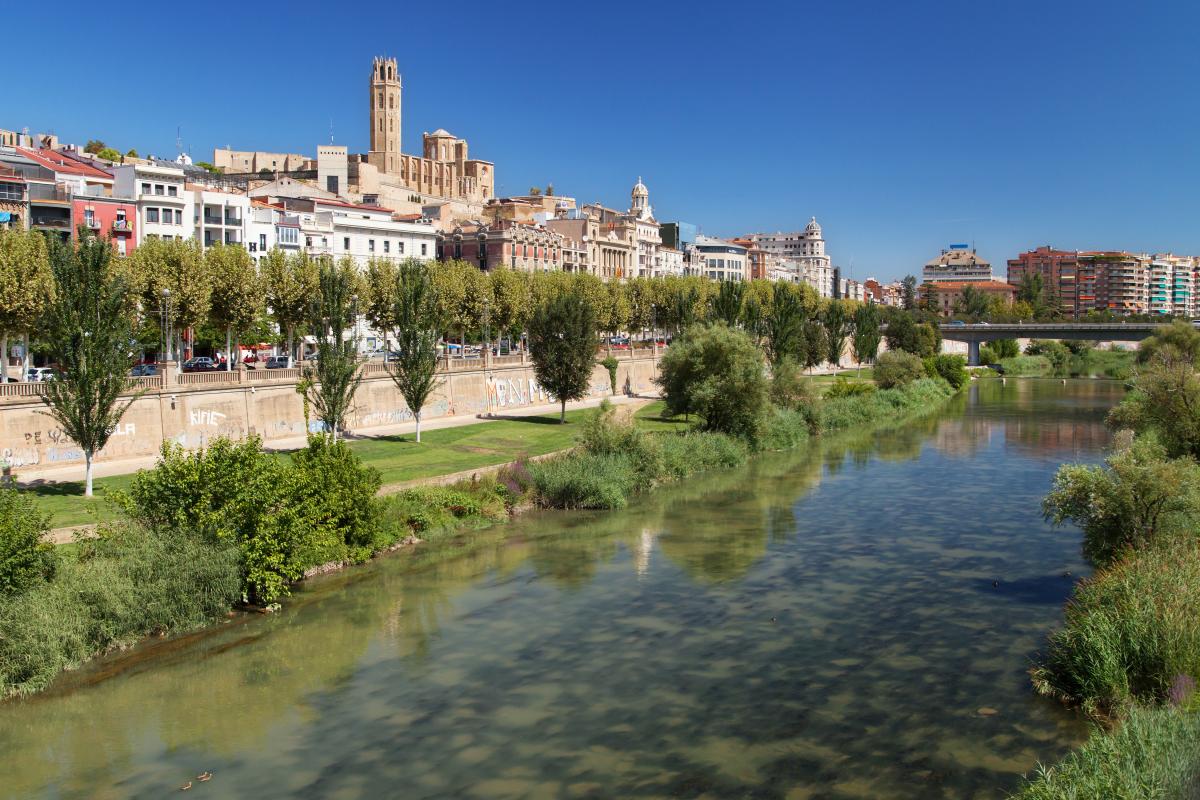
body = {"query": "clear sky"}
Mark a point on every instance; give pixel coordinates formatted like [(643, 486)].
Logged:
[(902, 126)]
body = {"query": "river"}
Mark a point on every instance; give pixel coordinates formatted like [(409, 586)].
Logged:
[(852, 621)]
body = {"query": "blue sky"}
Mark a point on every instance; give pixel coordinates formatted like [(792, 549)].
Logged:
[(902, 126)]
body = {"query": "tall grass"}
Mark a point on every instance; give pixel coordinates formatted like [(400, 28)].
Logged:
[(849, 412), (1130, 633), (1153, 755), (109, 593)]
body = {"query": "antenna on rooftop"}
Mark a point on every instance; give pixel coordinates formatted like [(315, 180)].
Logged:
[(331, 130), (179, 139)]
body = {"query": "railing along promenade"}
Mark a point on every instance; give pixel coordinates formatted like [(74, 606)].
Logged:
[(167, 377)]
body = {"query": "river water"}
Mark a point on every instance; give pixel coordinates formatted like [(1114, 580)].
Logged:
[(853, 621)]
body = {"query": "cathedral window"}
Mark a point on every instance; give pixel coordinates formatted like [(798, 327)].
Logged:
[(381, 99)]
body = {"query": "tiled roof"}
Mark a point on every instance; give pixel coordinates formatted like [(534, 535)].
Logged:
[(59, 162), (960, 285)]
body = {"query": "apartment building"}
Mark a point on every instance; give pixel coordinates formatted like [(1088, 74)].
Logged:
[(504, 243), (723, 260), (219, 217), (165, 206), (336, 228), (1058, 269), (1172, 281)]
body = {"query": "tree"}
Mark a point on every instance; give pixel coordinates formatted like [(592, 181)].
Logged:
[(1139, 497), (179, 267), (416, 333), (509, 308), (897, 368), (816, 344), (379, 294), (109, 154), (1179, 341), (903, 333), (728, 302), (717, 373), (237, 296), (88, 336), (866, 333), (132, 153), (207, 167), (839, 324), (973, 303), (784, 327), (26, 559), (534, 191), (562, 342), (908, 292), (331, 312), (1032, 290), (1166, 402), (291, 282), (94, 146), (26, 288)]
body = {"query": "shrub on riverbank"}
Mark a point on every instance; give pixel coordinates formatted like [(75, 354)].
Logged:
[(896, 368), (862, 410), (950, 368), (1131, 632), (25, 560), (1155, 753), (110, 592)]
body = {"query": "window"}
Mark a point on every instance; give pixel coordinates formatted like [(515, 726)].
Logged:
[(380, 100), (400, 248), (307, 239), (89, 218), (288, 236), (145, 188), (172, 191), (370, 245), (178, 217), (346, 243), (120, 247), (387, 246), (151, 215), (262, 242), (424, 249), (158, 188)]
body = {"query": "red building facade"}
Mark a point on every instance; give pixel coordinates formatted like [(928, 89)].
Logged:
[(108, 216)]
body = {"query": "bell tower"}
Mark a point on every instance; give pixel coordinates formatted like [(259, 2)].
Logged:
[(385, 115)]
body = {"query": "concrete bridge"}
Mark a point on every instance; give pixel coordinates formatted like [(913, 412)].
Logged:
[(973, 335)]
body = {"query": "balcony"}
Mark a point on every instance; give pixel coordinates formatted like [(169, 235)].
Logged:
[(211, 220), (92, 223), (235, 222), (121, 226)]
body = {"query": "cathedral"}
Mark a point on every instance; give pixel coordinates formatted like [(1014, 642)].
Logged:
[(443, 171)]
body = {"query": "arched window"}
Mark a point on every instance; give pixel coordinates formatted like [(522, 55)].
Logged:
[(381, 99)]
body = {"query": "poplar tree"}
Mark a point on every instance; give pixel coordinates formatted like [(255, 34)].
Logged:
[(89, 336), (866, 333), (26, 289), (178, 266), (237, 293), (839, 324), (336, 376), (416, 326), (562, 342), (291, 283)]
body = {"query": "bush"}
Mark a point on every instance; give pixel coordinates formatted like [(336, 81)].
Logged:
[(1138, 499), (611, 365), (887, 405), (951, 369), (1131, 632), (897, 368), (336, 494), (431, 510), (25, 560), (1056, 352), (718, 374), (1166, 402), (846, 388), (129, 583), (789, 388), (1180, 342), (585, 480), (1153, 754)]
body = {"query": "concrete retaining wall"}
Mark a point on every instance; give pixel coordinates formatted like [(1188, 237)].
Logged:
[(194, 415)]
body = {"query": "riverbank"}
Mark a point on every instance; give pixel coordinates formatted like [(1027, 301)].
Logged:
[(69, 625)]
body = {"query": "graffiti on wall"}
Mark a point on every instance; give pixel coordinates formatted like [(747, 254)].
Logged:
[(513, 392)]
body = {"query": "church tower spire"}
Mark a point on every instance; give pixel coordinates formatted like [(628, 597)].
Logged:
[(385, 115)]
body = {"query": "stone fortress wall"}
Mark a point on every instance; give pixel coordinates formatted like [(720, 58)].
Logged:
[(204, 406)]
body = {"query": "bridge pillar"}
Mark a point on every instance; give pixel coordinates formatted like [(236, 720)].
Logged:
[(972, 353)]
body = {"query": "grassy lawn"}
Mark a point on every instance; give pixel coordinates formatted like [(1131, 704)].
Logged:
[(398, 458)]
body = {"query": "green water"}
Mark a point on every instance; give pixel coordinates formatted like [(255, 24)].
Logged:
[(816, 625)]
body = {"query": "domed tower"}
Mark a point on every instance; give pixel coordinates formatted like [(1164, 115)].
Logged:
[(640, 199), (385, 115), (816, 243)]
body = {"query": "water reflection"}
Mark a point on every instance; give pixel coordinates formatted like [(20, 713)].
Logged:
[(821, 624)]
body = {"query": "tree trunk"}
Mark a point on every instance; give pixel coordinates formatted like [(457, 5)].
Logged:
[(228, 348), (290, 350), (87, 474), (417, 417), (26, 363), (562, 414), (4, 358)]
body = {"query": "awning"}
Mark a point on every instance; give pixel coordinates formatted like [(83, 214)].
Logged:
[(5, 216)]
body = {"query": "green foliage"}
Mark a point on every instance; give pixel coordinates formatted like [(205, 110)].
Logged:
[(839, 324), (1138, 499), (25, 560), (728, 302), (94, 146), (1151, 755), (562, 342), (1130, 632), (716, 373), (415, 316), (784, 326), (290, 282), (27, 282), (1166, 401), (609, 363), (584, 480), (332, 311), (993, 352), (109, 154), (904, 333), (789, 389), (972, 303), (429, 511), (1179, 342), (178, 266), (952, 369), (117, 589), (860, 411), (1056, 352), (88, 336), (898, 368), (908, 294), (816, 342), (238, 295), (841, 387), (867, 334), (334, 492)]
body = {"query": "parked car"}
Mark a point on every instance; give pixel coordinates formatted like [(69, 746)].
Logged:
[(200, 364), (277, 362), (251, 358), (40, 374), (144, 371)]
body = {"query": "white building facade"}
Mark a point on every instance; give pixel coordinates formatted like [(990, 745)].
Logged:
[(722, 260), (164, 205)]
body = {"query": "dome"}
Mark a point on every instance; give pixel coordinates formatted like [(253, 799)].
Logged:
[(639, 188), (812, 227)]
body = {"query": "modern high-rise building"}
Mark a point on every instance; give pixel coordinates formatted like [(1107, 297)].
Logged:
[(1058, 269)]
